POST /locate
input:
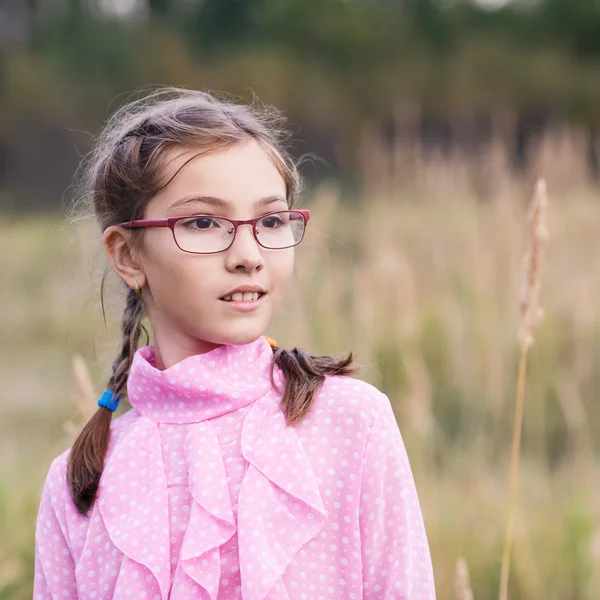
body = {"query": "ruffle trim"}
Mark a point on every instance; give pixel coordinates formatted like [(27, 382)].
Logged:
[(280, 507)]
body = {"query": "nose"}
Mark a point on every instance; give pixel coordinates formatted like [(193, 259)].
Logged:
[(245, 252)]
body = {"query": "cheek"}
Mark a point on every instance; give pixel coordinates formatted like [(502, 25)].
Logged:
[(173, 272), (162, 260), (281, 268), (158, 246)]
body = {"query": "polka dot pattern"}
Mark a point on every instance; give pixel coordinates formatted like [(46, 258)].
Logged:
[(207, 494)]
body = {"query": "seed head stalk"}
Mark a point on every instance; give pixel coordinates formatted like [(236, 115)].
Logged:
[(462, 585), (531, 315)]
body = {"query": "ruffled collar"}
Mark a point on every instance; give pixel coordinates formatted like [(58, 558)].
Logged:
[(279, 509), (202, 386)]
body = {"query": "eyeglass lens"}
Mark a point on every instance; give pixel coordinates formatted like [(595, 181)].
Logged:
[(206, 234)]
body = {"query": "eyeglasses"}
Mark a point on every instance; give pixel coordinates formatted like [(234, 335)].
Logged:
[(209, 234)]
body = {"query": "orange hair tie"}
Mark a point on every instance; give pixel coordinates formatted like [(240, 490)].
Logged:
[(271, 341)]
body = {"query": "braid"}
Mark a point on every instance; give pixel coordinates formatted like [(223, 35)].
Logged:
[(131, 329), (86, 460), (304, 375)]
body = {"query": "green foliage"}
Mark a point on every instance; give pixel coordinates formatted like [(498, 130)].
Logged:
[(371, 53), (333, 66)]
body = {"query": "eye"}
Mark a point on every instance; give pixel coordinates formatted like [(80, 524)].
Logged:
[(200, 223), (274, 221)]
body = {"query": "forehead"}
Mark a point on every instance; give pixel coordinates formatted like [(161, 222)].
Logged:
[(240, 174)]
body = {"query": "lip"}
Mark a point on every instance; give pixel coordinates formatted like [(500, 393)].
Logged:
[(245, 305), (246, 288)]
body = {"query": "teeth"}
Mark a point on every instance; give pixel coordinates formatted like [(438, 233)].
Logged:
[(245, 296)]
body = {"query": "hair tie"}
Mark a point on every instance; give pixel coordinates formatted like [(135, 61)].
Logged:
[(271, 341), (109, 400)]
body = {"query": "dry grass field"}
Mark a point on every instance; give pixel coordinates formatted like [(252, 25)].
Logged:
[(420, 277)]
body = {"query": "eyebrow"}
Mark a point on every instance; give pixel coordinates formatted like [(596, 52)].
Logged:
[(220, 203)]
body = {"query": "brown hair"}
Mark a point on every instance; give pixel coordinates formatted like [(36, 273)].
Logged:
[(119, 177)]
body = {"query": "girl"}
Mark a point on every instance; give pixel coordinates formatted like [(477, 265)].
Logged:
[(242, 470)]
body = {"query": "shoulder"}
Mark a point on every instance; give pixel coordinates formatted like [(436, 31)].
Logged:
[(56, 476), (120, 425), (346, 402), (350, 394), (57, 472), (55, 487), (339, 424), (55, 492)]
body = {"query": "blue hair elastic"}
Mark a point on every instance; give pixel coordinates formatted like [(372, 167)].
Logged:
[(109, 400)]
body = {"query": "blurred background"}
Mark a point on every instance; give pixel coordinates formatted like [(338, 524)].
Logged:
[(429, 122)]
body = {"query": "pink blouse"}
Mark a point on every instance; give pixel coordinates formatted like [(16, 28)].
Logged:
[(207, 494)]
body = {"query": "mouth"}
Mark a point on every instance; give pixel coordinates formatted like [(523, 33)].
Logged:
[(243, 297)]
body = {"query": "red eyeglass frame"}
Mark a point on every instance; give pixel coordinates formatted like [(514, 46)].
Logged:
[(170, 223)]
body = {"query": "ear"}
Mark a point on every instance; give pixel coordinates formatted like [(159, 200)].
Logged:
[(122, 255)]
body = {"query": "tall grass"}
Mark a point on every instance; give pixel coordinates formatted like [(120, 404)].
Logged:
[(420, 279), (531, 314)]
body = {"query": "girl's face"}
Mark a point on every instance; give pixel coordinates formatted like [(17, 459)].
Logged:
[(182, 291)]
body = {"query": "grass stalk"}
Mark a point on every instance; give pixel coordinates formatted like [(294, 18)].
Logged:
[(462, 585), (531, 315)]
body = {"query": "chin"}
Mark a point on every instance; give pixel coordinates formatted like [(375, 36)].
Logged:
[(243, 336)]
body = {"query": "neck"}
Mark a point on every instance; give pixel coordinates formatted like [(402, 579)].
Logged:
[(172, 349)]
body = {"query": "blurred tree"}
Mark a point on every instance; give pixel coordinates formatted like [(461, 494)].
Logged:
[(160, 8), (225, 23), (444, 66), (75, 9), (573, 22), (432, 22)]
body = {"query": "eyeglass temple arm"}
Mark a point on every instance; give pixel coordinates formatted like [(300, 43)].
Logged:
[(145, 223)]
